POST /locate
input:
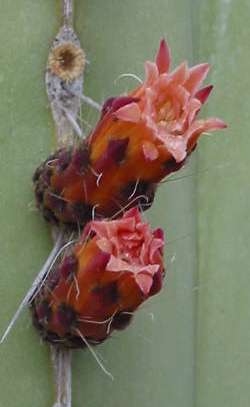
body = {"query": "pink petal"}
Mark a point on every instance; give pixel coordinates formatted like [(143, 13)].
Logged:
[(154, 247), (105, 245), (133, 213), (202, 94), (118, 265), (151, 73), (179, 75), (100, 228), (150, 151), (176, 145), (200, 126), (213, 123), (163, 57), (194, 108), (108, 228), (197, 74), (129, 113), (144, 281)]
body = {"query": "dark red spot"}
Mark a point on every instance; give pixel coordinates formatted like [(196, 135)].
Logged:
[(117, 149), (108, 294), (80, 212), (43, 312), (98, 262), (66, 316), (114, 103), (69, 266), (80, 159), (157, 283), (49, 216), (64, 158), (107, 106), (171, 166), (114, 154), (159, 233), (53, 279), (121, 320), (123, 101)]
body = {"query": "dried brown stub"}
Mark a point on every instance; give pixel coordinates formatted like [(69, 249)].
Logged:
[(67, 61), (64, 83)]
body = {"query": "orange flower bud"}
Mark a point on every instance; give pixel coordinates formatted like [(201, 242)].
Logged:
[(114, 268), (139, 140)]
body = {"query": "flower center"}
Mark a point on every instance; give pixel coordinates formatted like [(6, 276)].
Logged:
[(165, 114), (126, 257)]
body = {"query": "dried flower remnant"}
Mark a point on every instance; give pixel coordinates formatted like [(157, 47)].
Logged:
[(140, 139), (66, 61), (115, 267), (64, 83)]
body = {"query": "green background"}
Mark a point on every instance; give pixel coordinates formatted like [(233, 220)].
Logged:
[(195, 352)]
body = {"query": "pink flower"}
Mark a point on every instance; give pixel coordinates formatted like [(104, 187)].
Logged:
[(131, 245), (168, 104), (97, 287)]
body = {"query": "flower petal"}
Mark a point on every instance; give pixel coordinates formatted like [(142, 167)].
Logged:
[(151, 73), (202, 94), (118, 265), (197, 74), (144, 281), (133, 213), (179, 75), (129, 113), (213, 123), (150, 151), (163, 57), (105, 245)]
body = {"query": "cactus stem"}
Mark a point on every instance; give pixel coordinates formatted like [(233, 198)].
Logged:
[(67, 7), (61, 360)]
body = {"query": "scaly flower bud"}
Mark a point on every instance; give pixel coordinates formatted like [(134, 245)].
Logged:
[(139, 140), (115, 267)]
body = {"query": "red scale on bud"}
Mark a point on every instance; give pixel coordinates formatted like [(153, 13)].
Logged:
[(112, 270)]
